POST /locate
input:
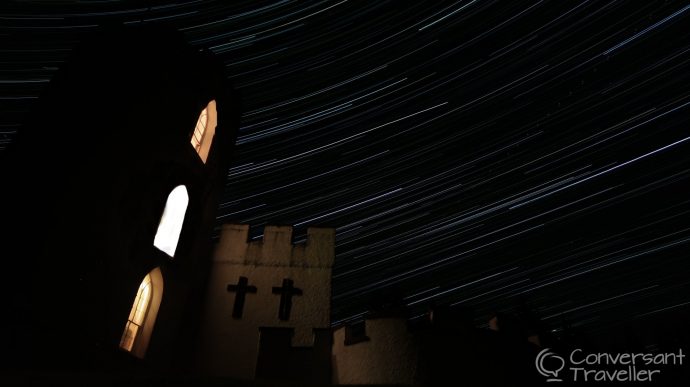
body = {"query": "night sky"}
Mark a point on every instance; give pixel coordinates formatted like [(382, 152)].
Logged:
[(489, 154)]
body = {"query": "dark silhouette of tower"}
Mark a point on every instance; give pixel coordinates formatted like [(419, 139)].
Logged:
[(123, 124)]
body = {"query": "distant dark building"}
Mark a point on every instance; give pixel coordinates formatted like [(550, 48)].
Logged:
[(108, 202)]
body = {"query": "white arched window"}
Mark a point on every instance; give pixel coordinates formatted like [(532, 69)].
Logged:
[(204, 130), (142, 317), (170, 226)]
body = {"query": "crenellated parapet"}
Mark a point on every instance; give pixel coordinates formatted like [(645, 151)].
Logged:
[(269, 295), (276, 247)]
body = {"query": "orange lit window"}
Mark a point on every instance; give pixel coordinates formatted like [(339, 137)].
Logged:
[(136, 318), (170, 226), (204, 130), (142, 318)]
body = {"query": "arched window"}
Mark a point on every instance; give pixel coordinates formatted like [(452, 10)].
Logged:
[(142, 317), (170, 226), (204, 130)]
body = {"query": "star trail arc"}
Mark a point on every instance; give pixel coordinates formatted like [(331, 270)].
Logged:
[(475, 153)]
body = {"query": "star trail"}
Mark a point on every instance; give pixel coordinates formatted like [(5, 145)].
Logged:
[(478, 153)]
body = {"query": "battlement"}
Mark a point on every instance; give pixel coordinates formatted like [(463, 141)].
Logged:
[(268, 297), (275, 248)]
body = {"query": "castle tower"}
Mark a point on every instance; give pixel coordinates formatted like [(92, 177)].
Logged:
[(258, 285), (112, 190)]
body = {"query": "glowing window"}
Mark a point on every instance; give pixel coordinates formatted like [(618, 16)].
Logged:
[(170, 226), (136, 316), (204, 130), (135, 339)]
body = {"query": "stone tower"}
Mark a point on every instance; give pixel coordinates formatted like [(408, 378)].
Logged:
[(260, 285), (115, 145)]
